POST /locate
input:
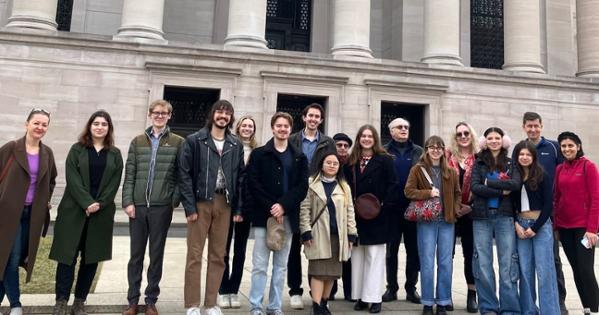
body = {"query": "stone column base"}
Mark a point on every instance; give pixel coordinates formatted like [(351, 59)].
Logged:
[(30, 21), (588, 73), (524, 67), (342, 51), (443, 59), (139, 32), (245, 41)]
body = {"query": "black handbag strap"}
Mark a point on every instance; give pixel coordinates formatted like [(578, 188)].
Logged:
[(355, 189), (318, 216)]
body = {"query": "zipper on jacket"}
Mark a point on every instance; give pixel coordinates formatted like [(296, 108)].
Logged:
[(225, 177), (149, 193)]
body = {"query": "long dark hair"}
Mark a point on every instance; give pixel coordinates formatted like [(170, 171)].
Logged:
[(220, 105), (495, 164), (535, 170), (85, 138), (377, 148), (339, 177)]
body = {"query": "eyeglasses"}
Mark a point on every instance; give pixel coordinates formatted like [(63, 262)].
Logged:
[(435, 148), (331, 163), (464, 134), (342, 145), (158, 114), (39, 110), (406, 127)]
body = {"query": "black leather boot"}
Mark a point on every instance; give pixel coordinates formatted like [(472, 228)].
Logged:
[(324, 305), (471, 304)]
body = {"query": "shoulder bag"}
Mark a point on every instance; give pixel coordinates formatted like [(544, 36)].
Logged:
[(424, 210), (367, 206)]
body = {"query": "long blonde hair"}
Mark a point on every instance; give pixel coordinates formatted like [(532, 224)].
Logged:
[(253, 142), (455, 149)]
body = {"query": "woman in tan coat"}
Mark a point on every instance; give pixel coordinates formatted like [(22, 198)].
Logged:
[(27, 179), (435, 236), (328, 229)]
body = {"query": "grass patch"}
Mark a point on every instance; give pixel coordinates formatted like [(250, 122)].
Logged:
[(44, 272)]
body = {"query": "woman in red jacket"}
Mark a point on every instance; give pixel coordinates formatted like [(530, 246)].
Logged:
[(576, 208)]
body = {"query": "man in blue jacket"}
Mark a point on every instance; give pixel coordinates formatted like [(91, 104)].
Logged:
[(549, 156)]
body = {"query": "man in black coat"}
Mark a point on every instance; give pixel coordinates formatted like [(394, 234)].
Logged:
[(278, 180)]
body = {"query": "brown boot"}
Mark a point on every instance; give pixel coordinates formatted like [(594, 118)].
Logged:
[(151, 309), (130, 310)]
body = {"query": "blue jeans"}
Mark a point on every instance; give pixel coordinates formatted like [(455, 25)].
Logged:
[(536, 256), (484, 275), (10, 284), (260, 258), (436, 237)]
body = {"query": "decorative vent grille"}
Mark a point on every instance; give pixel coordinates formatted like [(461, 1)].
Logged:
[(486, 34)]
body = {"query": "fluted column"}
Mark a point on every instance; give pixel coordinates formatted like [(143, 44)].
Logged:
[(247, 24), (587, 22), (351, 29), (35, 14), (522, 36), (442, 32), (142, 19)]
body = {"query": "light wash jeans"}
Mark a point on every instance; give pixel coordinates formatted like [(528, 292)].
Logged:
[(482, 262), (10, 284), (435, 237), (536, 256), (260, 258)]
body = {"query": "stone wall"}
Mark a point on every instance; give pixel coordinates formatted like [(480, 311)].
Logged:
[(72, 76)]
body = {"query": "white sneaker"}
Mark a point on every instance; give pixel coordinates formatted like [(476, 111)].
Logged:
[(224, 301), (235, 301), (16, 311), (213, 311), (193, 311), (296, 302)]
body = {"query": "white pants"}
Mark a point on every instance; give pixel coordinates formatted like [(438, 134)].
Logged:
[(368, 273)]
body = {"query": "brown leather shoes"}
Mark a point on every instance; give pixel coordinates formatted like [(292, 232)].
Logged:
[(151, 309), (131, 310)]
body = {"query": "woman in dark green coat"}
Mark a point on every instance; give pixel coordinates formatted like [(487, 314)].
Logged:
[(86, 212)]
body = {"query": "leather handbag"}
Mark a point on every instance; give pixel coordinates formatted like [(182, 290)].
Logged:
[(367, 206), (424, 210), (275, 234)]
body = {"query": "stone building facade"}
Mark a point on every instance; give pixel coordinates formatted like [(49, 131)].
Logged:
[(367, 61)]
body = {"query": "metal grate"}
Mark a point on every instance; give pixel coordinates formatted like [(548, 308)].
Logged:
[(304, 14), (288, 24), (64, 10), (294, 105), (272, 8), (190, 107), (486, 34)]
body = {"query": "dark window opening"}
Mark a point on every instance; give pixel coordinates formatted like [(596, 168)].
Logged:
[(288, 24), (295, 104), (64, 11), (414, 113), (486, 34), (190, 107)]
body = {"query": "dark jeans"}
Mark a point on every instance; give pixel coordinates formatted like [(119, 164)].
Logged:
[(65, 274), (10, 284), (294, 266), (149, 224), (407, 229), (582, 261), (239, 233), (561, 282), (464, 230)]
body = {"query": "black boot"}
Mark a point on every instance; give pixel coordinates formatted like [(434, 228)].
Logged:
[(324, 305), (375, 308), (360, 305), (471, 304), (427, 310), (441, 310), (317, 309)]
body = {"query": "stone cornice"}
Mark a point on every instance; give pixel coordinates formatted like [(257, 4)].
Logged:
[(440, 88), (175, 67), (305, 77), (322, 62)]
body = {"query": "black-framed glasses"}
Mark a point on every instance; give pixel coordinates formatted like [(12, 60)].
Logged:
[(434, 148), (158, 114), (464, 134)]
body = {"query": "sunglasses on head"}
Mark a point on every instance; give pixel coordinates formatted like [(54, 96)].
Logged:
[(39, 110)]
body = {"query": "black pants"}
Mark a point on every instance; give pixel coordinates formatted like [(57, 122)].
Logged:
[(149, 224), (294, 266), (582, 261), (464, 230), (407, 229), (239, 232), (346, 276), (65, 274), (561, 282)]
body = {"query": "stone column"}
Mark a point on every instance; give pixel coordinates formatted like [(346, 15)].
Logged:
[(587, 23), (142, 19), (442, 32), (522, 36), (351, 28), (247, 24), (35, 14)]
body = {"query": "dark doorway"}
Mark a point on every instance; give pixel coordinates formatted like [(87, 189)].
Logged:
[(190, 107), (414, 113), (294, 105), (486, 34), (288, 24)]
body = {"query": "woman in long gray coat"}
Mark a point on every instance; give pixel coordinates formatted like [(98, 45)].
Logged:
[(27, 178), (86, 212)]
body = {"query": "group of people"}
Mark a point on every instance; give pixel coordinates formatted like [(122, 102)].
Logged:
[(346, 208)]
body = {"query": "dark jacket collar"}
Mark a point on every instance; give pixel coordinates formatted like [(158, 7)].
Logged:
[(21, 157), (165, 132), (204, 133), (270, 147)]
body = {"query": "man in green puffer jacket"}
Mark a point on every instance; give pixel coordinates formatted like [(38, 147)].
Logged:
[(149, 196)]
